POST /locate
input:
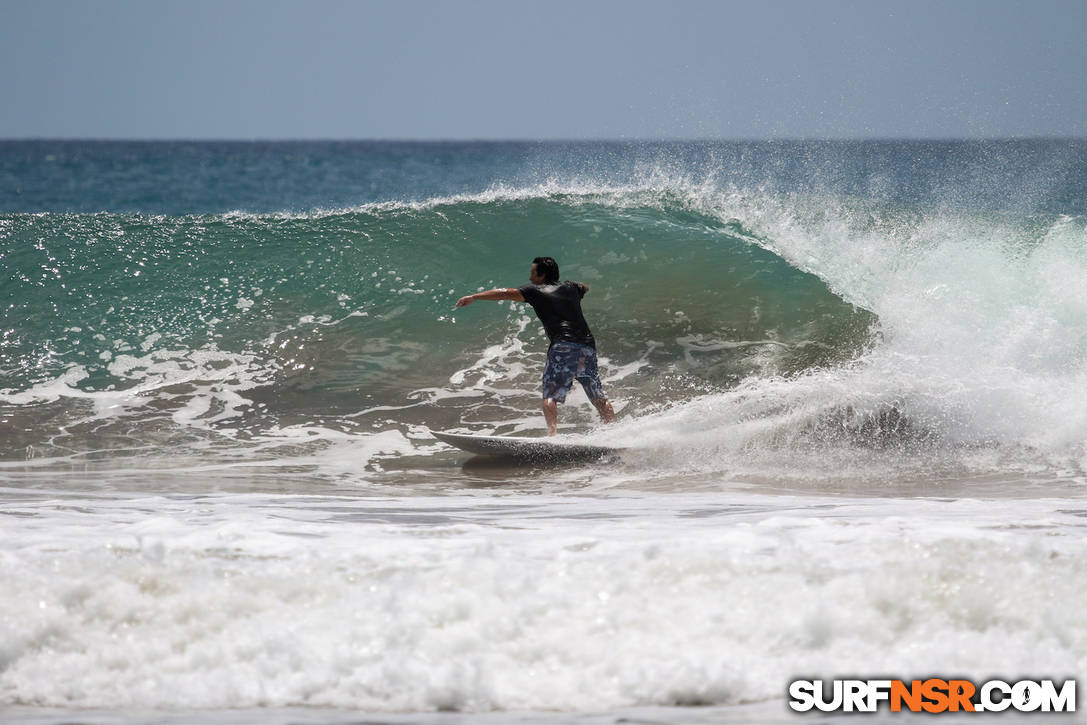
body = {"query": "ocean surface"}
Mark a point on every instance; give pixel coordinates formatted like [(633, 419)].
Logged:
[(851, 380)]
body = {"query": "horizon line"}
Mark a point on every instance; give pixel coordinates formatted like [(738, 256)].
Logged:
[(516, 140)]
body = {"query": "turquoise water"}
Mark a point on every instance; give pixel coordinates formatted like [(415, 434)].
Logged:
[(219, 363), (90, 287)]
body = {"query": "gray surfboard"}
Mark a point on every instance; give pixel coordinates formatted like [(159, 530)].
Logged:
[(537, 450)]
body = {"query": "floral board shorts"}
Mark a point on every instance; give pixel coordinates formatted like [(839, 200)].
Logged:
[(567, 362)]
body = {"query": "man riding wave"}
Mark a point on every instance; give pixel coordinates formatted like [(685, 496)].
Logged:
[(572, 352)]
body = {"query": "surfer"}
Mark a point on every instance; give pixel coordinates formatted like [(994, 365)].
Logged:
[(572, 353)]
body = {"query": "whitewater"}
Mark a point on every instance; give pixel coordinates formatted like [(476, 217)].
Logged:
[(850, 380)]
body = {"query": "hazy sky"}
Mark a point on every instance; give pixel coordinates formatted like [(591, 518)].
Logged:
[(506, 69)]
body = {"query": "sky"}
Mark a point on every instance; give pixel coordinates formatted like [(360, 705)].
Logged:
[(560, 69)]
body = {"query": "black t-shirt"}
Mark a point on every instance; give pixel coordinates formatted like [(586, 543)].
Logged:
[(559, 308)]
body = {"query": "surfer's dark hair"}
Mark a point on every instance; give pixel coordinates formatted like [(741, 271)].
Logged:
[(547, 267)]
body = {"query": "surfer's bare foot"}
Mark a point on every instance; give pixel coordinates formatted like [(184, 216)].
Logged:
[(551, 415), (603, 406)]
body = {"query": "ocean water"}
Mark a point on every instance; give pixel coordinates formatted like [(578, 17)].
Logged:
[(851, 379)]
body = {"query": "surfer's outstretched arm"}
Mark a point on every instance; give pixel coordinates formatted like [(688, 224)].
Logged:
[(502, 293)]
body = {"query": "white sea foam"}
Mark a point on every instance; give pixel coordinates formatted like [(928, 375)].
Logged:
[(210, 377), (983, 338), (523, 602)]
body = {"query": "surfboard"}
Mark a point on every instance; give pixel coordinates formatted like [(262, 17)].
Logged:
[(537, 450)]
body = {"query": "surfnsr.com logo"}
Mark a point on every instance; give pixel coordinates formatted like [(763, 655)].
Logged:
[(932, 695)]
